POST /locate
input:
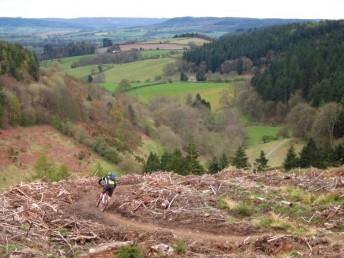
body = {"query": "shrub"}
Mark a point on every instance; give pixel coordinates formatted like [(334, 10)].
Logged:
[(98, 170), (99, 146), (111, 155), (283, 132), (180, 247), (49, 171), (129, 252), (268, 138)]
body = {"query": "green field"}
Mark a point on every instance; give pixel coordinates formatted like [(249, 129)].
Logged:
[(255, 133), (149, 54), (208, 90), (275, 151), (135, 71), (183, 41), (66, 62)]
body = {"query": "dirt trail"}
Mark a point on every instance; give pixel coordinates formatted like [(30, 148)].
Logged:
[(86, 208)]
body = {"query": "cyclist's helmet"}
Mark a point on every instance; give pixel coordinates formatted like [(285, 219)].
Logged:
[(113, 174)]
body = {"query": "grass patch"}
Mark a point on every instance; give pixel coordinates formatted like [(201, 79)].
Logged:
[(276, 151), (277, 222), (341, 227), (209, 91), (243, 209), (256, 133), (12, 175), (129, 252), (180, 247), (221, 204), (162, 53)]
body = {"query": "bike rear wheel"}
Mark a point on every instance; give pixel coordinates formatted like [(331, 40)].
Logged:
[(104, 201)]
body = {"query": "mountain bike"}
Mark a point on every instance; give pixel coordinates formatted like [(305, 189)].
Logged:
[(103, 201)]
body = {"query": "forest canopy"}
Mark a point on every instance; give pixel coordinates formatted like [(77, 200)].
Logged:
[(307, 57), (17, 62)]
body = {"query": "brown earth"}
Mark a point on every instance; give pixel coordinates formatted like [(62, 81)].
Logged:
[(22, 147)]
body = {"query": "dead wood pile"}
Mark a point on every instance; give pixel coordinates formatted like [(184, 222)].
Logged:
[(32, 212)]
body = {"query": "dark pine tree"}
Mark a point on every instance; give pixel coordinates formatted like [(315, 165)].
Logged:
[(240, 159), (193, 164), (166, 162), (200, 76), (184, 77), (311, 155), (223, 161), (179, 163), (213, 167), (152, 163), (291, 160), (262, 161)]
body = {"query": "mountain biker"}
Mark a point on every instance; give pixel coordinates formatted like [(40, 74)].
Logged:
[(108, 183)]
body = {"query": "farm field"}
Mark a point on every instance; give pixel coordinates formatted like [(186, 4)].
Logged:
[(208, 90), (184, 41), (66, 62), (147, 54), (141, 70), (153, 46)]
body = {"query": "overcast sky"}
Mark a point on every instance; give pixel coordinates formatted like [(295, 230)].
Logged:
[(326, 9)]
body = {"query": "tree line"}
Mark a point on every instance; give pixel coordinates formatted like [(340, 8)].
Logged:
[(308, 57), (53, 51), (313, 156), (188, 163)]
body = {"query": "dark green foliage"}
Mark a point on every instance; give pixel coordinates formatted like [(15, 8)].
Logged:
[(100, 146), (193, 35), (90, 78), (175, 161), (184, 77), (240, 159), (72, 49), (152, 163), (200, 103), (311, 155), (337, 155), (262, 161), (291, 161), (307, 57), (213, 166), (107, 42), (193, 165), (200, 76), (16, 61), (217, 165), (223, 161)]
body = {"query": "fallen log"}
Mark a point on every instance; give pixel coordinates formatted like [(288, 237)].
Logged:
[(105, 247)]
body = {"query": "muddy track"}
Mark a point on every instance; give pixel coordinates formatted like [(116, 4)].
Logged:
[(85, 208)]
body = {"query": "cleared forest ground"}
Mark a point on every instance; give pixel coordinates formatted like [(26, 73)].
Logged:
[(231, 214)]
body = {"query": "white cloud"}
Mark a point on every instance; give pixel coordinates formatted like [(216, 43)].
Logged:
[(330, 9)]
